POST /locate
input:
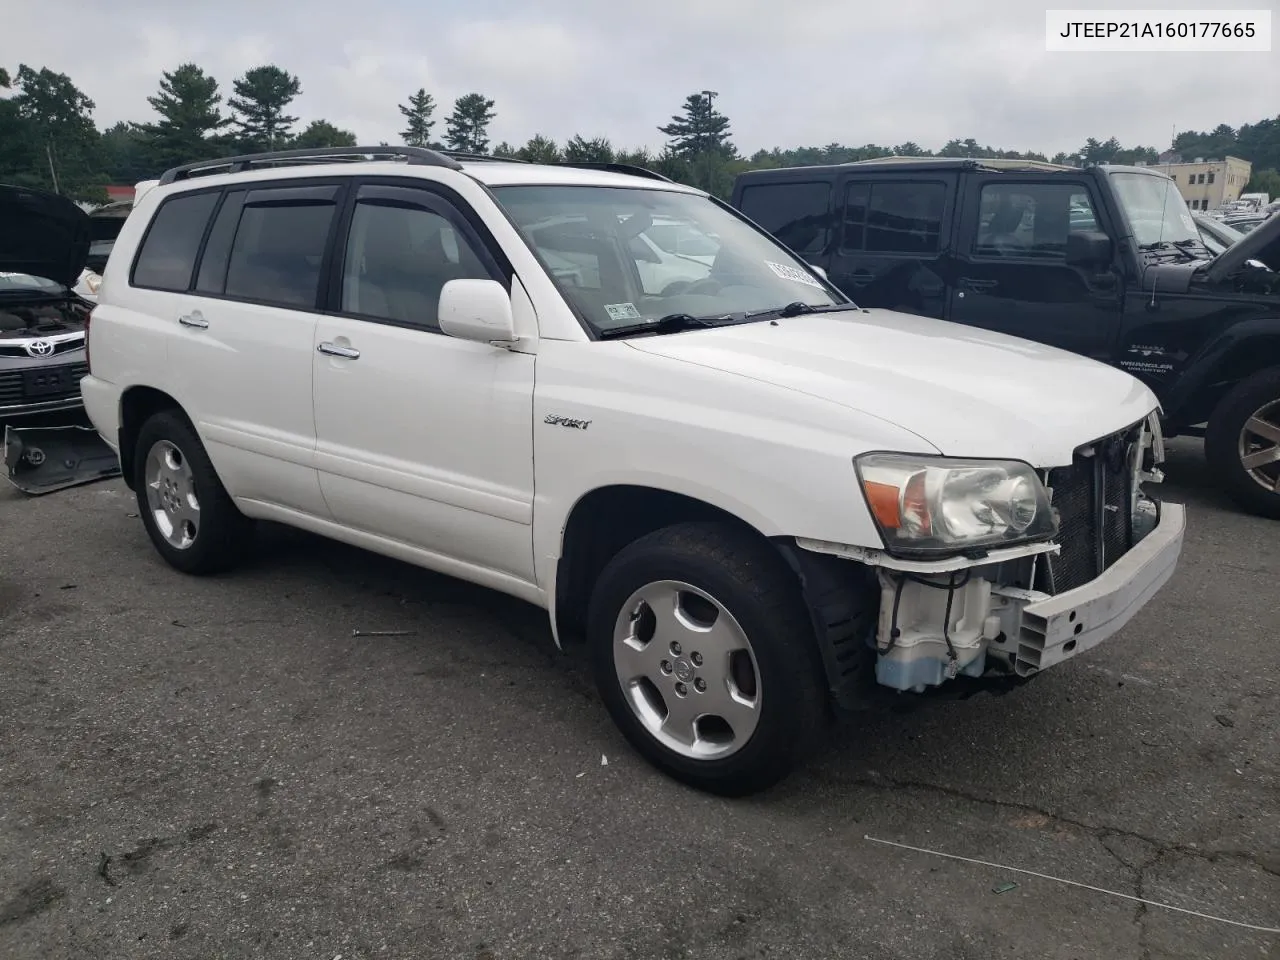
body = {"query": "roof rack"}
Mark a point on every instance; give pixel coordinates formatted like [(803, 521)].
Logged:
[(419, 156), (464, 155), (628, 168)]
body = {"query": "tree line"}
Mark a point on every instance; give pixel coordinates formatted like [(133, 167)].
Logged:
[(48, 137)]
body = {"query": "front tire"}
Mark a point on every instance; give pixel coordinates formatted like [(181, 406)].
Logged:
[(187, 512), (704, 655), (1242, 443)]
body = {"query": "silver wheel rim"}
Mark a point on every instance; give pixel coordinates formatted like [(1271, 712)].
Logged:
[(687, 670), (171, 495), (1260, 446)]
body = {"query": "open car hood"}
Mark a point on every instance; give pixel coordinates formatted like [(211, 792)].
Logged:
[(42, 234), (1261, 243)]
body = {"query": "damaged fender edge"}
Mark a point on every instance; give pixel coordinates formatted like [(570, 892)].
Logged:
[(40, 460)]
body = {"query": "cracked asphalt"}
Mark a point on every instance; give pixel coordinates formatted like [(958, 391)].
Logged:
[(219, 768)]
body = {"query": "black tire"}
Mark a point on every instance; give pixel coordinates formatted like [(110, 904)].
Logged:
[(224, 533), (750, 580), (1222, 442)]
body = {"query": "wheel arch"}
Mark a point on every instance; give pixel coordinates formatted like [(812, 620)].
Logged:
[(137, 405), (840, 595), (1239, 353)]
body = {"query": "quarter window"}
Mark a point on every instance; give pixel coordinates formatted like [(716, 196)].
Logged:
[(1031, 220), (398, 259), (899, 217), (798, 214), (168, 255)]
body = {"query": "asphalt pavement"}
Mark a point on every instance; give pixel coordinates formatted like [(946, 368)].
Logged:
[(220, 768)]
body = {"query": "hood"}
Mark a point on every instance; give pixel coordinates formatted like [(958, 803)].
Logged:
[(968, 392), (42, 234), (1260, 243)]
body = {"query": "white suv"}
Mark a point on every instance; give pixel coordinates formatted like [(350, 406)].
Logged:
[(752, 500)]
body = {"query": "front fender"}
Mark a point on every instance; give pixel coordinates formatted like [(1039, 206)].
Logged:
[(1259, 337)]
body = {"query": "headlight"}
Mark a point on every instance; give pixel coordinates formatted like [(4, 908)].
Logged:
[(943, 505)]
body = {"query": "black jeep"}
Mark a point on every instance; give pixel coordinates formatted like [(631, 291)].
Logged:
[(1104, 261)]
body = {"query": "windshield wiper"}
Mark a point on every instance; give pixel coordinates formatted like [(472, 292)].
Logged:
[(797, 307), (1158, 245), (671, 323)]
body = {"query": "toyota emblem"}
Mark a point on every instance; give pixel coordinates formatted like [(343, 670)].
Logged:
[(39, 348)]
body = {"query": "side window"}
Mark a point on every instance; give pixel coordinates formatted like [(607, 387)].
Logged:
[(798, 214), (898, 217), (1031, 220), (399, 256), (278, 246), (168, 255)]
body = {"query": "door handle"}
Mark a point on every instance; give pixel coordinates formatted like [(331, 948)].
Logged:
[(194, 319), (973, 284), (334, 350)]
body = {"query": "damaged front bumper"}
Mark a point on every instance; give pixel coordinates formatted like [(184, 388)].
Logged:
[(934, 628), (44, 459)]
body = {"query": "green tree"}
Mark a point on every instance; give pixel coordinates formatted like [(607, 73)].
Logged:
[(506, 151), (261, 97), (580, 150), (700, 128), (539, 150), (189, 117), (635, 158), (468, 125), (322, 133), (56, 142), (1264, 181), (418, 118), (129, 154)]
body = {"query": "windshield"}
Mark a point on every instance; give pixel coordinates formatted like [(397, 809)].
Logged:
[(625, 255), (25, 283), (1154, 208)]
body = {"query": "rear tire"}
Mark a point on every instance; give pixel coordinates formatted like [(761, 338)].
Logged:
[(187, 512), (1243, 436), (713, 611)]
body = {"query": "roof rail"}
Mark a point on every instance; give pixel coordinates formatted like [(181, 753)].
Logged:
[(419, 156), (464, 155), (628, 168)]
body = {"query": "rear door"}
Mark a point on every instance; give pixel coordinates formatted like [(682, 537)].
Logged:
[(241, 349), (892, 238), (1011, 270)]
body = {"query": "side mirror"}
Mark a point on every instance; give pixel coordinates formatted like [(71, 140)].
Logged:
[(477, 310), (1088, 248), (819, 271)]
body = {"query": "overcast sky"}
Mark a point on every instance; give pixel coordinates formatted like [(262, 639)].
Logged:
[(807, 72)]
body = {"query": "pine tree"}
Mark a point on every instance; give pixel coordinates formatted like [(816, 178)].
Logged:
[(539, 150), (700, 129), (262, 96), (189, 116), (417, 113), (468, 125), (580, 150), (322, 133)]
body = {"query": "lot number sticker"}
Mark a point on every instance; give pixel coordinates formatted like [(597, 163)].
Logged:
[(793, 274)]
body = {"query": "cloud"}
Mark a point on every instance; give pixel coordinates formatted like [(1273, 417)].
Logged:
[(807, 72)]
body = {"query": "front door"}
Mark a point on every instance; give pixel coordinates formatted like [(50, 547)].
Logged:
[(422, 438), (1011, 273)]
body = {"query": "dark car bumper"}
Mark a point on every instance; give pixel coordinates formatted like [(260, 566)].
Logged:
[(45, 385)]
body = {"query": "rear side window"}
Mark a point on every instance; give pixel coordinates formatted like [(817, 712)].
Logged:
[(798, 214), (279, 244), (168, 255), (893, 218), (1031, 220)]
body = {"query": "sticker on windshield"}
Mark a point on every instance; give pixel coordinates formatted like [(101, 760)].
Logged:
[(622, 311), (793, 274)]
